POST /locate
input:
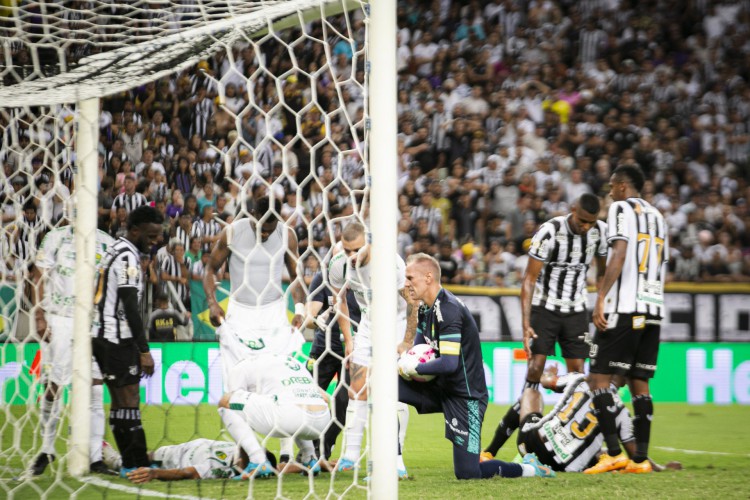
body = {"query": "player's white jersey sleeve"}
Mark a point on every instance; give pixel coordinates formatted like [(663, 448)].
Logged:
[(621, 222), (542, 242), (47, 253), (400, 273), (337, 271), (601, 248)]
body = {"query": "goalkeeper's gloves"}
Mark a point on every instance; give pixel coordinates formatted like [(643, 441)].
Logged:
[(407, 367)]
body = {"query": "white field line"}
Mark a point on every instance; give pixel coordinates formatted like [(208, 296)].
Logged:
[(702, 452), (136, 491)]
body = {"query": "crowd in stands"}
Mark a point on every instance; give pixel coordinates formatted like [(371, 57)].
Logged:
[(508, 110)]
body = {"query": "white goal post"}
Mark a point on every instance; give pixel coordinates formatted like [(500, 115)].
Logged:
[(121, 61)]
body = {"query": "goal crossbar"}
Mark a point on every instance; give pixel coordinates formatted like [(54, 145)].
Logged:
[(129, 66)]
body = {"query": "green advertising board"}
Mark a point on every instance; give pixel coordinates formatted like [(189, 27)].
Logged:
[(190, 373)]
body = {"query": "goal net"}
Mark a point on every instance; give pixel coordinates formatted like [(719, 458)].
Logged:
[(199, 108)]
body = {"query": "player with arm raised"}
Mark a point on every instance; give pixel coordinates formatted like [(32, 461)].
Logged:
[(119, 337), (256, 321), (54, 274), (275, 396), (553, 297), (350, 270), (628, 312), (459, 390)]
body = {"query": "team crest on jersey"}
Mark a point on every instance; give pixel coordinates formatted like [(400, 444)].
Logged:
[(133, 370), (292, 364), (221, 455), (438, 313), (255, 344)]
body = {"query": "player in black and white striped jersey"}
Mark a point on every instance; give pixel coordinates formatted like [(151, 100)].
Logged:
[(628, 312), (119, 340), (553, 297)]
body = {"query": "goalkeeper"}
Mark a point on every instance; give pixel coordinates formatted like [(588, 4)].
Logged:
[(459, 390)]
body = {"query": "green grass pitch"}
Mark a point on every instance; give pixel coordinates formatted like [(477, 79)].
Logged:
[(711, 442)]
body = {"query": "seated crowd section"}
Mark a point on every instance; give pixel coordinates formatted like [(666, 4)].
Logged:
[(508, 110)]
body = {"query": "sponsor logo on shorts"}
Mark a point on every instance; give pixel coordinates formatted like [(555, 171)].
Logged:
[(617, 364), (133, 370), (645, 367), (453, 426), (639, 322)]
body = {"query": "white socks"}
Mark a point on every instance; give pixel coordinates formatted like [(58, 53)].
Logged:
[(402, 410), (528, 470), (356, 419), (97, 423), (306, 449), (48, 420), (243, 435), (286, 447)]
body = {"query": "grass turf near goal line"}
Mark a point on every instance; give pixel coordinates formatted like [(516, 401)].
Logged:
[(706, 439)]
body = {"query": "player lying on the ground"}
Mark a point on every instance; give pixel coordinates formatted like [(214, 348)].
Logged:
[(569, 438), (197, 459), (277, 397)]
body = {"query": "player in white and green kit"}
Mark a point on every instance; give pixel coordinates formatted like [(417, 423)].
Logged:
[(277, 397), (196, 459), (54, 275)]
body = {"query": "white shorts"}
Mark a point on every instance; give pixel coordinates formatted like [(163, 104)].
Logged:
[(252, 331), (272, 418), (57, 354), (362, 353)]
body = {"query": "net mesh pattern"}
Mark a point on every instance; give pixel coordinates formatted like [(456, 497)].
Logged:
[(269, 101)]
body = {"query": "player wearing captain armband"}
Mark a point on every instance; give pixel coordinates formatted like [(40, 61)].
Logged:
[(350, 270), (459, 390), (54, 274), (628, 312), (553, 297), (276, 397), (255, 322)]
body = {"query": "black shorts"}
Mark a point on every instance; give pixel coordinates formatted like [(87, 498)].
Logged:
[(463, 417), (630, 348), (120, 363), (530, 441), (568, 329)]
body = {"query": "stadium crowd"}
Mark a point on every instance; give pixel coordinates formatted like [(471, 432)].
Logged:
[(507, 111)]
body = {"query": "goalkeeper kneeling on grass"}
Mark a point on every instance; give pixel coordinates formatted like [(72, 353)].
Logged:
[(277, 397), (459, 389)]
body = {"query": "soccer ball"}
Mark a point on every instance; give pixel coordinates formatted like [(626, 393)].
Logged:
[(422, 353), (111, 457)]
